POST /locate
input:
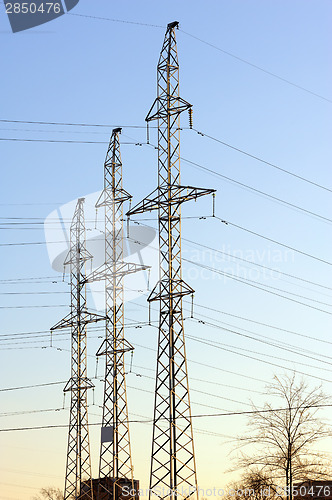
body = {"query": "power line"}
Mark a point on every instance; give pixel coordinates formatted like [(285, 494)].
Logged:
[(261, 286), (284, 346), (273, 241), (257, 285), (228, 223), (264, 324), (65, 141), (288, 172), (227, 274), (70, 124), (270, 363), (257, 67), (202, 415), (32, 386), (33, 307), (235, 257), (271, 344), (267, 195), (259, 323), (257, 359), (99, 18), (116, 20)]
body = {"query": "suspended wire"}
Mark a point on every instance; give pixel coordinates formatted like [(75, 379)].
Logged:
[(227, 223), (274, 75), (99, 18), (288, 172), (269, 343), (46, 131), (116, 20), (256, 284), (69, 124), (235, 257), (264, 324), (261, 286), (267, 195), (155, 147), (257, 359), (270, 363), (66, 141), (47, 384), (202, 415)]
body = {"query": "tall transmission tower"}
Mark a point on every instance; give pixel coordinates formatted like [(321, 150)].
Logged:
[(115, 468), (173, 467), (78, 482)]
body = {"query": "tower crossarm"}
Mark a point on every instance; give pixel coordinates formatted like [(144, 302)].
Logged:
[(118, 270), (166, 195), (71, 320)]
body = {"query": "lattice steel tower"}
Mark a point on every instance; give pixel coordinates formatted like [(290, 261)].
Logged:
[(78, 484), (173, 468), (115, 468)]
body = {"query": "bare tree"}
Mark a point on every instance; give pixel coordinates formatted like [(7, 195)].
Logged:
[(49, 494), (253, 485), (282, 438)]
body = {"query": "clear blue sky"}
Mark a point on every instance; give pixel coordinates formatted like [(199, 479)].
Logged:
[(84, 70)]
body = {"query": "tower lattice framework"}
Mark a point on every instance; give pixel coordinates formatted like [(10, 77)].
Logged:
[(173, 467), (115, 467), (78, 482)]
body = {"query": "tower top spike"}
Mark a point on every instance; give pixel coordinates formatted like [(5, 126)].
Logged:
[(174, 24), (117, 130)]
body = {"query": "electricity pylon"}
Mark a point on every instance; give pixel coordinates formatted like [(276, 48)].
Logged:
[(173, 468), (115, 468), (78, 482)]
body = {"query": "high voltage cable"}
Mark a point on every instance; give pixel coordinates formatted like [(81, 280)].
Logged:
[(65, 141), (275, 198), (116, 20), (256, 284), (231, 276), (214, 344), (215, 217), (270, 73), (273, 241), (285, 346), (265, 324), (228, 223), (204, 364), (245, 281), (45, 131), (7, 389), (197, 131), (231, 256), (209, 268), (250, 357), (69, 124), (260, 286), (256, 66), (271, 344), (202, 415), (235, 257), (288, 172)]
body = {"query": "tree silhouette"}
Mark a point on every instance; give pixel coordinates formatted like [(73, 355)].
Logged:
[(282, 437), (49, 493)]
